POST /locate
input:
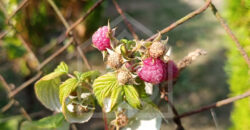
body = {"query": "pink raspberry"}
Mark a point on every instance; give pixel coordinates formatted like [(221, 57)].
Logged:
[(100, 38), (172, 70), (153, 71)]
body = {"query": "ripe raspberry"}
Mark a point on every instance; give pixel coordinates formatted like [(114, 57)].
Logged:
[(172, 70), (157, 49), (100, 38), (114, 60), (153, 71)]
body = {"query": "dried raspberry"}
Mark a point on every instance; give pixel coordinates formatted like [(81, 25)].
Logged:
[(100, 38), (157, 49), (122, 119), (124, 77), (172, 70), (114, 60), (153, 71)]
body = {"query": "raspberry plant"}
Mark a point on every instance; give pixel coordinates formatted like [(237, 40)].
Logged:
[(133, 65)]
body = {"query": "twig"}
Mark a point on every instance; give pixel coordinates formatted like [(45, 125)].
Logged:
[(23, 111), (12, 100), (85, 60), (22, 4), (27, 47), (3, 8), (51, 2), (46, 61), (216, 104), (5, 84), (3, 34), (84, 17), (119, 10), (73, 36), (73, 127), (230, 33), (182, 20), (190, 58), (176, 120), (164, 95), (24, 85), (7, 106), (105, 120)]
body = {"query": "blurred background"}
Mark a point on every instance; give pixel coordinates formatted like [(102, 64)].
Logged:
[(220, 74)]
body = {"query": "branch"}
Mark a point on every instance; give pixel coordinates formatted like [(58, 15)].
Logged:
[(7, 106), (22, 4), (164, 96), (176, 120), (216, 104), (190, 58), (23, 111), (27, 47), (104, 116), (119, 10), (3, 34), (182, 20), (81, 53), (46, 61), (3, 8), (12, 100), (5, 84), (51, 2), (66, 24), (98, 3), (230, 33), (24, 85)]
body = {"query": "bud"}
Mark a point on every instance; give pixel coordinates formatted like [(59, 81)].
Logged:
[(157, 49)]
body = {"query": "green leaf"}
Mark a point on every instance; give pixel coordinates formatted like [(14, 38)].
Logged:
[(66, 88), (72, 116), (48, 123), (76, 115), (47, 91), (141, 88), (109, 93), (80, 111), (149, 117), (132, 96), (89, 74), (116, 96), (62, 67), (103, 87), (47, 88)]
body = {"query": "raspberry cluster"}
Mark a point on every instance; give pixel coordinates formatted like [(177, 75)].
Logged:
[(148, 60)]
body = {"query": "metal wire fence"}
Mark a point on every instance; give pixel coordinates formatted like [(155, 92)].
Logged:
[(71, 35)]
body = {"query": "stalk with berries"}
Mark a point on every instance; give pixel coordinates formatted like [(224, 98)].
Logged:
[(134, 68)]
